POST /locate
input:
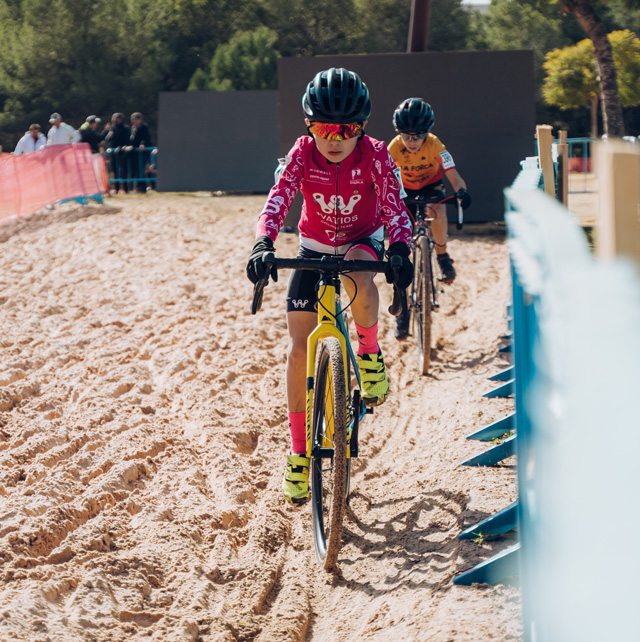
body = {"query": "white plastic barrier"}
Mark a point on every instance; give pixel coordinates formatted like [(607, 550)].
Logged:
[(579, 437)]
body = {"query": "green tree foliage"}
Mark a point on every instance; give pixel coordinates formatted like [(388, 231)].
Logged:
[(620, 13), (572, 74), (382, 26), (196, 28), (626, 55), (517, 24), (248, 61), (304, 28), (104, 56), (80, 59), (572, 79), (101, 56), (478, 34), (543, 25), (448, 25), (585, 12)]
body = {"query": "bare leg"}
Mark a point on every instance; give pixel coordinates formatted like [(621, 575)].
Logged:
[(439, 228), (300, 325), (364, 307)]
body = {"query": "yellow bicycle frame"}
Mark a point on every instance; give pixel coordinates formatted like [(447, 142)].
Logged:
[(326, 328)]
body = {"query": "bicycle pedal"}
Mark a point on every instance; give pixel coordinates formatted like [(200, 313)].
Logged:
[(369, 410)]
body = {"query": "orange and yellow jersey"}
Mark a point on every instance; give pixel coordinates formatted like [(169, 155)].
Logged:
[(424, 167)]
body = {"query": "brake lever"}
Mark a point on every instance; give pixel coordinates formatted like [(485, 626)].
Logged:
[(460, 215), (399, 302), (269, 259)]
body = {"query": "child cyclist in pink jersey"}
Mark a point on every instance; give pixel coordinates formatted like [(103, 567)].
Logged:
[(351, 194)]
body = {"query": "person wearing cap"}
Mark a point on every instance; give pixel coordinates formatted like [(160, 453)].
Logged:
[(61, 133), (89, 133), (32, 140)]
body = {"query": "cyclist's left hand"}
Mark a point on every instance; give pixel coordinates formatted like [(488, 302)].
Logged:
[(404, 276), (465, 198)]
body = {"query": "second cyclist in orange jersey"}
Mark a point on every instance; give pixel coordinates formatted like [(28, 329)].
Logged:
[(423, 160)]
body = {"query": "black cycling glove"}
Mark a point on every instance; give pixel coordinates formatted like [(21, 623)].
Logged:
[(255, 267), (465, 198), (403, 277)]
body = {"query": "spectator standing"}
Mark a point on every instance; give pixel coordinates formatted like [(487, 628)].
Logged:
[(32, 140), (61, 133), (118, 141), (89, 133), (140, 140)]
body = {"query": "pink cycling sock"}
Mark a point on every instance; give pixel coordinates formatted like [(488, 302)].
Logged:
[(298, 431), (367, 339)]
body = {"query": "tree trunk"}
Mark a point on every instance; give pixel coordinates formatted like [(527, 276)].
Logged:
[(590, 21), (594, 115), (419, 25)]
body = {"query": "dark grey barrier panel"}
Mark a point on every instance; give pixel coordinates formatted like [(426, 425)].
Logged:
[(483, 103), (217, 140)]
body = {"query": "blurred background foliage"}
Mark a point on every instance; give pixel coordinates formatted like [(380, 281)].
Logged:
[(81, 57)]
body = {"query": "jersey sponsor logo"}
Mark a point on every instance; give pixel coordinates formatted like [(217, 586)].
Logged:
[(447, 160), (319, 175), (299, 303), (330, 207), (356, 173), (335, 238), (417, 168)]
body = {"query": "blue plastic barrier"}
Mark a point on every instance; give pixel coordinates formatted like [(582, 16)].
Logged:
[(131, 169), (579, 163), (577, 380)]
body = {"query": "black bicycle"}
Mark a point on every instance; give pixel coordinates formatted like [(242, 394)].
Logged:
[(425, 289)]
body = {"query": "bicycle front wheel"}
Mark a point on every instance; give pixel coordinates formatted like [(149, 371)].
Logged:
[(423, 292), (329, 453)]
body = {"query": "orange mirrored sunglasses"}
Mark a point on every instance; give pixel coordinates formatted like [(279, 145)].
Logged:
[(334, 131)]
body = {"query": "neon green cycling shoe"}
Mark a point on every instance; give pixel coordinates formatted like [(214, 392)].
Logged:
[(295, 484), (375, 385)]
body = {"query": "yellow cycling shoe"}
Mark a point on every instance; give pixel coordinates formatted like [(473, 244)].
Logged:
[(375, 385), (295, 484)]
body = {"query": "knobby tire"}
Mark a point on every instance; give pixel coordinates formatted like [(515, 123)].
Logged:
[(424, 292), (329, 475)]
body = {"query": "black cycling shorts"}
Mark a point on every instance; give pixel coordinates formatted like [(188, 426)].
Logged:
[(303, 284), (435, 189)]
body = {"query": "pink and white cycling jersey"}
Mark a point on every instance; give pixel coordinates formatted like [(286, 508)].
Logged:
[(344, 201)]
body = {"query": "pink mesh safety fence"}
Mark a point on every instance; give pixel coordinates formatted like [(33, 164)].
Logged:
[(31, 181)]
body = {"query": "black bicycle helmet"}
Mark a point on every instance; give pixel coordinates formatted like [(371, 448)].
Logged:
[(413, 116), (337, 96)]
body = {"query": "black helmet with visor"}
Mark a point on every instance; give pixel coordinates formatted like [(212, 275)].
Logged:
[(413, 116), (336, 96)]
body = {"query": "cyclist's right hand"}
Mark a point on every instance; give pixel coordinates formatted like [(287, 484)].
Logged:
[(256, 269), (465, 198), (402, 276)]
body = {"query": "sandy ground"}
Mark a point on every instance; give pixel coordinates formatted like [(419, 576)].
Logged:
[(142, 441), (584, 198)]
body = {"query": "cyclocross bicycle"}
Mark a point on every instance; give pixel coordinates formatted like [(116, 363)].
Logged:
[(333, 410), (423, 298)]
